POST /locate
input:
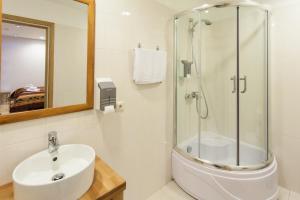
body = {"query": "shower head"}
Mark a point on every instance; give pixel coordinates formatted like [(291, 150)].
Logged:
[(206, 22), (222, 5)]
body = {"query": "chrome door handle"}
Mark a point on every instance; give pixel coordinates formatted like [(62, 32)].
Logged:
[(245, 84), (234, 83)]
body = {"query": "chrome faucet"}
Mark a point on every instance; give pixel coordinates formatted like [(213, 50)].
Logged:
[(53, 144), (192, 95)]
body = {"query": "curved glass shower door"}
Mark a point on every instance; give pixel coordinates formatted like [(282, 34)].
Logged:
[(253, 103), (222, 85), (218, 58), (187, 82), (207, 85)]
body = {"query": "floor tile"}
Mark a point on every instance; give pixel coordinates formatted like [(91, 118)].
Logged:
[(294, 196), (171, 191), (284, 194)]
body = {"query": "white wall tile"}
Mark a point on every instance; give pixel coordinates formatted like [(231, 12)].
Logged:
[(20, 132), (284, 95), (13, 154)]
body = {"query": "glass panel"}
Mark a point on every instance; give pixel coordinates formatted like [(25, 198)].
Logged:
[(217, 60), (187, 84), (253, 85)]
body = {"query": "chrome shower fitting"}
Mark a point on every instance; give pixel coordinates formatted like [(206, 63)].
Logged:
[(192, 95)]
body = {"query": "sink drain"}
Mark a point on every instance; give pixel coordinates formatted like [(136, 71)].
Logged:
[(57, 177)]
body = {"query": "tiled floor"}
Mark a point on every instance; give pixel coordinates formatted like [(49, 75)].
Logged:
[(288, 195), (172, 192)]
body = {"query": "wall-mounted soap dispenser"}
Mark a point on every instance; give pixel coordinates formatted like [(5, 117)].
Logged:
[(187, 68), (108, 93)]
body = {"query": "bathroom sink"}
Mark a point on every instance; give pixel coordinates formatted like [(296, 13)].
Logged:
[(64, 175)]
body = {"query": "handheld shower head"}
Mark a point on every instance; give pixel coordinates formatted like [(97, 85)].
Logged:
[(193, 24)]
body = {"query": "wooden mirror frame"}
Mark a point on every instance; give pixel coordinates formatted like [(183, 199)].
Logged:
[(36, 114)]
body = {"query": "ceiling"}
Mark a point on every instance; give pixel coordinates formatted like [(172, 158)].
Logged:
[(181, 5), (23, 31), (71, 3)]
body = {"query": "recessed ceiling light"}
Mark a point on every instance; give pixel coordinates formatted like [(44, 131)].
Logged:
[(126, 13), (42, 37), (206, 11), (18, 26)]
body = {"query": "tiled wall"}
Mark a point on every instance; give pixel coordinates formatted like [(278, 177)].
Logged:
[(136, 142), (285, 97)]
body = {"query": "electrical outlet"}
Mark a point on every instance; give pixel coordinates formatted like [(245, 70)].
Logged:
[(120, 106)]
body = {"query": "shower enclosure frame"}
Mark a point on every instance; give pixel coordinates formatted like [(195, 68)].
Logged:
[(238, 167)]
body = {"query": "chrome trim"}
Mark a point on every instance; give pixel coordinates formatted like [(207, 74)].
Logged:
[(234, 83), (175, 84), (226, 167), (238, 86), (227, 3), (244, 79), (268, 85)]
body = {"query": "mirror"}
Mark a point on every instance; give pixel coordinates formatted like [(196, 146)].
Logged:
[(46, 58)]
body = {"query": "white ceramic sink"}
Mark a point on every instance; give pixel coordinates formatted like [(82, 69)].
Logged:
[(33, 177)]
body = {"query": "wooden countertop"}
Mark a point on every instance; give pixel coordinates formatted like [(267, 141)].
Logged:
[(106, 184)]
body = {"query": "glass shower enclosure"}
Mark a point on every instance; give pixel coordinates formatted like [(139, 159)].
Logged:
[(221, 64)]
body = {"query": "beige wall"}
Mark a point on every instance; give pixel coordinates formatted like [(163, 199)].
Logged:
[(137, 142), (285, 95)]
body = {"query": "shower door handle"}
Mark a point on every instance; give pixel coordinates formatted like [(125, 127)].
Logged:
[(245, 84), (234, 83)]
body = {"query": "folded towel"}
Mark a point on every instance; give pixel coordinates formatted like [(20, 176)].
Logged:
[(149, 66)]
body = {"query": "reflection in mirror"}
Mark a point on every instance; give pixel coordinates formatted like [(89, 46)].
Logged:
[(44, 55), (26, 81)]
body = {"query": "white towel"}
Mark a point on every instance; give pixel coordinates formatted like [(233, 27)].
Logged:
[(149, 66)]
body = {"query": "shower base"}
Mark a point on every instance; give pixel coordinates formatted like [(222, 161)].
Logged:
[(206, 182)]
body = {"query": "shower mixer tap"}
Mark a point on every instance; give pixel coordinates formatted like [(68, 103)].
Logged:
[(192, 95), (195, 95)]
